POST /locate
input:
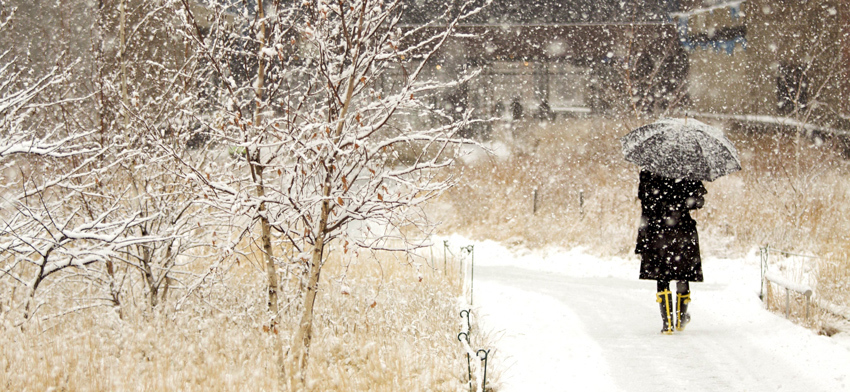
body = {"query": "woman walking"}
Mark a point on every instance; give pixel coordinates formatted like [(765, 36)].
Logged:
[(668, 242), (675, 156)]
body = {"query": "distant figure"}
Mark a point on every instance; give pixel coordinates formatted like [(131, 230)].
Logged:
[(516, 109), (668, 242), (457, 103), (544, 111), (498, 109)]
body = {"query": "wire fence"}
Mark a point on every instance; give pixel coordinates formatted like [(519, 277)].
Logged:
[(458, 265), (476, 370), (793, 272), (795, 283)]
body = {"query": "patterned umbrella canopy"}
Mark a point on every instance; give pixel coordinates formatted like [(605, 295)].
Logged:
[(681, 148)]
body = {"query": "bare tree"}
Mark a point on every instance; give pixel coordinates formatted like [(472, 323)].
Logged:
[(34, 231), (643, 74), (807, 94), (318, 101), (144, 85), (86, 192)]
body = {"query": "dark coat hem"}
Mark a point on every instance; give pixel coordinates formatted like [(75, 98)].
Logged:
[(667, 238)]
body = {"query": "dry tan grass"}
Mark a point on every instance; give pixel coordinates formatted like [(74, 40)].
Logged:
[(583, 187), (833, 288), (576, 159), (790, 201), (382, 324)]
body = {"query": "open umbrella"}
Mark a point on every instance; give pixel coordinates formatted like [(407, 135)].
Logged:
[(681, 148)]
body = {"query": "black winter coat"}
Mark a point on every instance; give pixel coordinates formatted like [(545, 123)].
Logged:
[(667, 238)]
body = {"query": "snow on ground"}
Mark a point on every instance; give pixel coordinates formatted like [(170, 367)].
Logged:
[(569, 321)]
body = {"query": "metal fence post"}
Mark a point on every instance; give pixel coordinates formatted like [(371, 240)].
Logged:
[(763, 267), (465, 313), (464, 337), (483, 359), (471, 273), (471, 250), (445, 246), (468, 360), (431, 251), (468, 323)]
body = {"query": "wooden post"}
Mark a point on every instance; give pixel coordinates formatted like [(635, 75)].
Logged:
[(534, 202), (787, 302), (581, 202)]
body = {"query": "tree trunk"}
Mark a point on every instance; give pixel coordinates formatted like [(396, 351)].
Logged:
[(257, 173), (31, 298), (271, 269), (121, 59), (304, 336), (113, 289), (266, 240), (38, 279), (164, 280), (100, 62), (147, 272)]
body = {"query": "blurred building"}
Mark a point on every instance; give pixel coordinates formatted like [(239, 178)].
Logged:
[(769, 57), (547, 57)]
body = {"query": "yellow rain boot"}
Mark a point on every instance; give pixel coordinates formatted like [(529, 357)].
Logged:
[(683, 317), (665, 298)]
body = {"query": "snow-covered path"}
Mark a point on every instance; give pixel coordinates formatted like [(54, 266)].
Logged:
[(571, 322)]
